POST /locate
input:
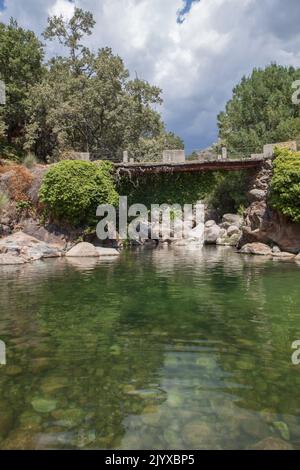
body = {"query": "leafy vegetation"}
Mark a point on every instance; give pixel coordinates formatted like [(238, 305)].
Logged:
[(72, 190), (83, 102), (285, 186), (261, 111), (169, 188), (229, 194)]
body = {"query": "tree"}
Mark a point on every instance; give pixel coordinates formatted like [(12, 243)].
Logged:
[(87, 102), (261, 111), (21, 55)]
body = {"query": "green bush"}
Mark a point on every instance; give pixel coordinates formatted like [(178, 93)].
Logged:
[(285, 185), (72, 190), (229, 194)]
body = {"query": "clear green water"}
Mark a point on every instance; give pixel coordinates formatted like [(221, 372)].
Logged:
[(156, 349)]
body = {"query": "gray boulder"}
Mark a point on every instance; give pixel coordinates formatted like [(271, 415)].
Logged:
[(211, 234), (257, 195), (8, 259), (83, 250), (256, 249)]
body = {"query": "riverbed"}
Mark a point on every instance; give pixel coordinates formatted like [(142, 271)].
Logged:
[(167, 348)]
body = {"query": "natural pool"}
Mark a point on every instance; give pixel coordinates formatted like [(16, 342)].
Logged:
[(160, 348)]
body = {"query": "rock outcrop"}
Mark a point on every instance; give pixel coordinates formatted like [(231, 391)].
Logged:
[(27, 247), (263, 224), (256, 249)]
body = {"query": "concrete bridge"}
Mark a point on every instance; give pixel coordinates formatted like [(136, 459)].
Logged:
[(174, 162)]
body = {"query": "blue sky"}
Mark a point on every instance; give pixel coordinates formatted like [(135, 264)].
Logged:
[(197, 60)]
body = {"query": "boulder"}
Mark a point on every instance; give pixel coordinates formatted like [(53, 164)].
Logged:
[(233, 219), (107, 251), (83, 250), (257, 195), (256, 249), (233, 230), (8, 259), (27, 246), (210, 223), (225, 240), (276, 249), (212, 234)]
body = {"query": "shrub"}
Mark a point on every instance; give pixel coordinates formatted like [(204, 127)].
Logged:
[(72, 190), (4, 201), (230, 192), (285, 185), (19, 181), (30, 161)]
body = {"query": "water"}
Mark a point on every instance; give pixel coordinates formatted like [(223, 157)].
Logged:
[(165, 348)]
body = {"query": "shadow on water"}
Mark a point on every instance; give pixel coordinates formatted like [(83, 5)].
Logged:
[(165, 348)]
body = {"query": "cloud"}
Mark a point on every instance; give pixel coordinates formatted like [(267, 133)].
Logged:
[(197, 61)]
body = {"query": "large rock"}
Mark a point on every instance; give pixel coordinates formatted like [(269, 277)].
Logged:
[(210, 223), (211, 234), (257, 195), (233, 230), (83, 250), (256, 249), (262, 224), (232, 219), (225, 240), (7, 260), (28, 247), (107, 251), (283, 255)]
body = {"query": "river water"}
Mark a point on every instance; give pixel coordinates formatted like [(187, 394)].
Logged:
[(165, 348)]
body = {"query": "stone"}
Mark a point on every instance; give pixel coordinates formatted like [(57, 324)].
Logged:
[(107, 251), (30, 248), (83, 250), (229, 241), (5, 230), (272, 443), (210, 223), (233, 219), (211, 234), (9, 259), (43, 405), (254, 427), (297, 258), (256, 249), (233, 230), (195, 434), (276, 249), (257, 195)]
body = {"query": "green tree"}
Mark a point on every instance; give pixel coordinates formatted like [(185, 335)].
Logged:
[(261, 111), (21, 55), (87, 102)]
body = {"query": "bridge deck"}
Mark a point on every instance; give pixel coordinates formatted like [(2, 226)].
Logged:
[(190, 167)]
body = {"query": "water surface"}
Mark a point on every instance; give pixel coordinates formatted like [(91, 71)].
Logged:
[(158, 349)]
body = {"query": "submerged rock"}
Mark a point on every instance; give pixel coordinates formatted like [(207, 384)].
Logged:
[(272, 443), (43, 405), (197, 434)]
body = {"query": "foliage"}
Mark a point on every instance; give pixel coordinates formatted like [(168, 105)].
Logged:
[(229, 192), (21, 56), (29, 161), (169, 188), (147, 149), (72, 190), (87, 102), (261, 111), (19, 181), (4, 201), (285, 185), (24, 208)]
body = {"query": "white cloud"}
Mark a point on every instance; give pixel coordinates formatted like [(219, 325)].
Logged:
[(62, 8), (196, 63)]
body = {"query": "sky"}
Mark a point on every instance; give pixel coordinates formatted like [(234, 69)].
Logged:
[(195, 50)]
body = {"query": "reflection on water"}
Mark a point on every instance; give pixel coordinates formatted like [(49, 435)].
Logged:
[(165, 348)]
